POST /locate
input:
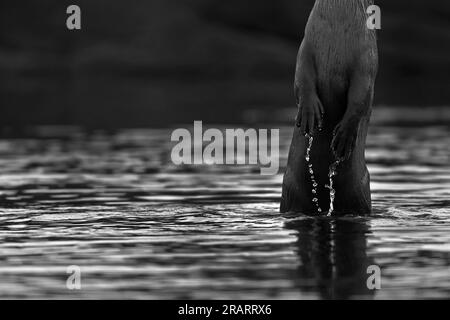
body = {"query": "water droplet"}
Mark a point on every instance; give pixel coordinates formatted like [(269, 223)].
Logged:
[(311, 172), (331, 174)]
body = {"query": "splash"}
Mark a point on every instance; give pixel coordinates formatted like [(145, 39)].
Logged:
[(331, 173), (315, 200)]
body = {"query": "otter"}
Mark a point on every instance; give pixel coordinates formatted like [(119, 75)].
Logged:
[(334, 83)]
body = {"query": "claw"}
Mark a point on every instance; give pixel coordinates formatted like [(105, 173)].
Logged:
[(310, 115), (343, 143)]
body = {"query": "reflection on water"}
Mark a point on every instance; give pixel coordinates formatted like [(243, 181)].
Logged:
[(333, 258), (140, 227)]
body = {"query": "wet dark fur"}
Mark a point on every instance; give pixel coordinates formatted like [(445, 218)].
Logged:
[(336, 69)]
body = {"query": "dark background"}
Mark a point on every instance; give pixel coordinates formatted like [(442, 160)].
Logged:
[(159, 62)]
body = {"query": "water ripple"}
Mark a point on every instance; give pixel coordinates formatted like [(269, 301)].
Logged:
[(140, 227)]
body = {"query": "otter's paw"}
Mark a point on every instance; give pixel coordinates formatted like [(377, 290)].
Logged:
[(309, 116), (344, 140)]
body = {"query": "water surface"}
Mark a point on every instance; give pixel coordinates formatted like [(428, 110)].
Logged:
[(140, 227)]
